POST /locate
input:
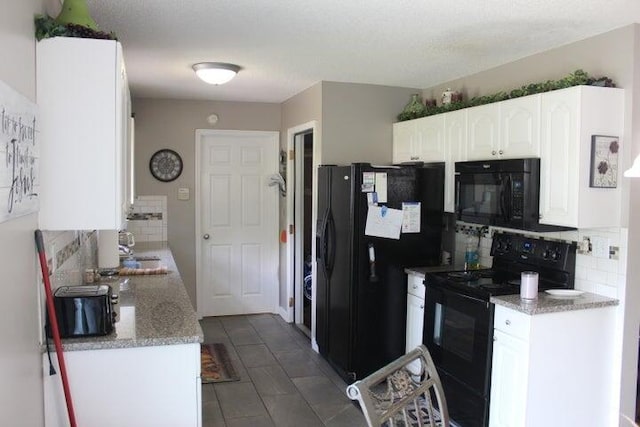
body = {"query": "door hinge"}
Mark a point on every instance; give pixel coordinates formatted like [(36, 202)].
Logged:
[(292, 228), (292, 155), (291, 302)]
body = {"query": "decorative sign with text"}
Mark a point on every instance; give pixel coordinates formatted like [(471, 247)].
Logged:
[(19, 155)]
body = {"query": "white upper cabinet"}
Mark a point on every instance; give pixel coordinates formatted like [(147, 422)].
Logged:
[(455, 137), (569, 120), (483, 140), (557, 126), (84, 110), (505, 130), (420, 140), (520, 127)]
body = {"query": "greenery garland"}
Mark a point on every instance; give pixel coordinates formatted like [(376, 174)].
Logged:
[(47, 26), (578, 77)]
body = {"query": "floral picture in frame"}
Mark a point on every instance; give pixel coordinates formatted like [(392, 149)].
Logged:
[(604, 161)]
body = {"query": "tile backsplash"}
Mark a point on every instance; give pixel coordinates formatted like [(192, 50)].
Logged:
[(69, 253), (148, 219), (600, 275)]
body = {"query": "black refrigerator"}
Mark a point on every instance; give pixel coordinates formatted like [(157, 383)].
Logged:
[(361, 306)]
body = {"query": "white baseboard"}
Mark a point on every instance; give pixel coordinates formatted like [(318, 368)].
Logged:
[(284, 314)]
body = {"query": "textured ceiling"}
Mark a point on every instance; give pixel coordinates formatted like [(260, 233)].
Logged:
[(286, 46)]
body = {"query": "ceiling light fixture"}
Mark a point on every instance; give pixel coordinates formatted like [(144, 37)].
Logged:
[(215, 73)]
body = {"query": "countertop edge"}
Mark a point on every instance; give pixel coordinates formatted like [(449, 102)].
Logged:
[(547, 304)]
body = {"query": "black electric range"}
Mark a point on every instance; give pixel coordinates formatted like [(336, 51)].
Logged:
[(458, 317), (512, 254)]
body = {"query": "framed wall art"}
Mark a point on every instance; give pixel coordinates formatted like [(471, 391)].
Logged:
[(604, 161), (19, 155)]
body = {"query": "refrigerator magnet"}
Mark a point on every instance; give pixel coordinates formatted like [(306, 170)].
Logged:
[(368, 182)]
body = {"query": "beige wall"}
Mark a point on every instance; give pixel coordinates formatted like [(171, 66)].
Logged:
[(614, 54), (357, 121), (298, 110), (166, 123), (21, 399)]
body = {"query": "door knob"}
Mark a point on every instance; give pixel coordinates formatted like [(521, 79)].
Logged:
[(205, 237)]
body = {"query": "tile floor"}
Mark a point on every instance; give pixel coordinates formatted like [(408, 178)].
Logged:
[(283, 381)]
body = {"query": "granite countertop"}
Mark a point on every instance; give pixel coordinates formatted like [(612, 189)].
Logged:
[(152, 310), (551, 304)]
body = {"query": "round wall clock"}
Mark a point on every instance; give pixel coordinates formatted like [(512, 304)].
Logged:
[(165, 165)]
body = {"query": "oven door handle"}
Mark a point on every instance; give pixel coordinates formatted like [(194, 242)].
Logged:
[(443, 290)]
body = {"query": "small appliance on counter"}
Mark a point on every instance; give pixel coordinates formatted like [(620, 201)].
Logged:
[(108, 249), (125, 238), (84, 311)]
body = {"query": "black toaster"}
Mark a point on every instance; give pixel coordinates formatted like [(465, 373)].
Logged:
[(83, 311)]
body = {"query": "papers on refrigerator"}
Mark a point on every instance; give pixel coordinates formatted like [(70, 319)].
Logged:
[(383, 222), (411, 217), (381, 186)]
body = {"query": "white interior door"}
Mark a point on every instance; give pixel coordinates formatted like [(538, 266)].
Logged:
[(237, 222)]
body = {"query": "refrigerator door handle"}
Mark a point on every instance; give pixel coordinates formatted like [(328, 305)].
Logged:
[(322, 241), (330, 238)]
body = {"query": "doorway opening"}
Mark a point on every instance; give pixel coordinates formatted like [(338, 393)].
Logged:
[(303, 201)]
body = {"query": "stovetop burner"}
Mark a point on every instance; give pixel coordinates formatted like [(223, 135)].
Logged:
[(463, 276)]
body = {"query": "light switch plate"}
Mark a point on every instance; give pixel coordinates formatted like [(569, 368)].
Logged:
[(600, 247), (183, 193)]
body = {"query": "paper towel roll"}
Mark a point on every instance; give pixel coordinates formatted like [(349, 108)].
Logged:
[(529, 285), (108, 256)]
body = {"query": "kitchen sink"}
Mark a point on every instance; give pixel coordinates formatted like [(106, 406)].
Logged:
[(148, 261)]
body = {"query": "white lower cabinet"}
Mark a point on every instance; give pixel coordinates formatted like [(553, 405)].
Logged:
[(140, 386), (415, 315), (552, 369), (508, 380)]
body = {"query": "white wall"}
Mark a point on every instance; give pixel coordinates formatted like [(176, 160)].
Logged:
[(357, 121), (21, 401)]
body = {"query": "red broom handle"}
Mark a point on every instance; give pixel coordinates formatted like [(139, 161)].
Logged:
[(54, 327)]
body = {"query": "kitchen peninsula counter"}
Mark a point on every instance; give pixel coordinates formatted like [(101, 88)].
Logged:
[(152, 309)]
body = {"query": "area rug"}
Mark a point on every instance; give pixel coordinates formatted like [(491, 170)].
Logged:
[(216, 365)]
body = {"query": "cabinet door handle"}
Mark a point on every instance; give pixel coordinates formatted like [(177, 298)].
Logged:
[(205, 237), (507, 322), (421, 306), (500, 152), (415, 287), (493, 153), (495, 338)]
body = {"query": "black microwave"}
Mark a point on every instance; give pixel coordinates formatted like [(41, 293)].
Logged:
[(502, 193)]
